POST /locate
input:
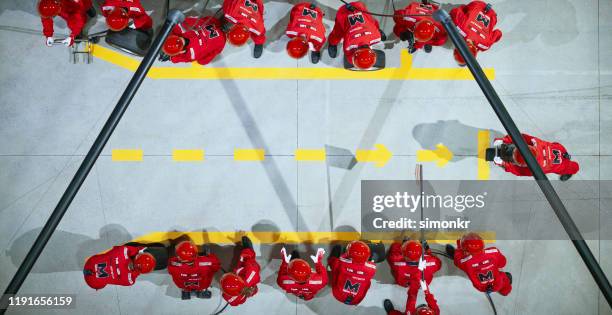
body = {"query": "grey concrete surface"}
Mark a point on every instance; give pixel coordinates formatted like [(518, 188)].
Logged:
[(553, 72)]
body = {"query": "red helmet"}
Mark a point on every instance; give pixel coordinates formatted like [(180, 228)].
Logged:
[(364, 58), (297, 47), (424, 31), (518, 157), (186, 251), (358, 251), (412, 250), (232, 284), (472, 243), (458, 57), (238, 35), (117, 19), (174, 45), (144, 262), (49, 8), (424, 310), (299, 270)]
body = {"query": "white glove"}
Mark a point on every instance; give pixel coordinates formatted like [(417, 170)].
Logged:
[(422, 264), (68, 41), (131, 25), (49, 42), (286, 257), (316, 258), (424, 286)]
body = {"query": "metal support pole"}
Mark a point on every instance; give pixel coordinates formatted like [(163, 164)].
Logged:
[(174, 17), (548, 190)]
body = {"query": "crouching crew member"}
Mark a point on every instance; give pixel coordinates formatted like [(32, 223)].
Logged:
[(306, 31), (121, 265), (416, 25), (192, 272), (244, 20), (121, 14), (196, 39), (351, 272), (74, 12), (240, 284), (476, 21), (296, 277)]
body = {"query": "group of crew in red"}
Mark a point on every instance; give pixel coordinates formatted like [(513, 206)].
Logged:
[(412, 265), (201, 39)]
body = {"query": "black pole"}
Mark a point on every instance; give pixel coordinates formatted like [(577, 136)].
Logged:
[(548, 190), (174, 17)]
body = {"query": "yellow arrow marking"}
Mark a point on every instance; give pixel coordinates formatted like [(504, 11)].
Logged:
[(380, 155), (483, 165), (303, 237), (249, 154), (310, 154), (127, 155), (404, 72), (441, 155), (191, 155)]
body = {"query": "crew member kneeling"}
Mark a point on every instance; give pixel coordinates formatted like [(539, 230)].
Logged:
[(121, 265), (361, 35), (241, 284), (196, 39), (192, 272), (306, 31)]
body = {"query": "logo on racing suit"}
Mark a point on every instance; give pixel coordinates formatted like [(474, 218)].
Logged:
[(248, 3), (100, 271), (485, 277), (356, 18), (307, 12), (349, 287)]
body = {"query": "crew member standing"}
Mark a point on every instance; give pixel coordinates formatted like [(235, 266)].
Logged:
[(296, 277), (416, 25), (240, 284), (244, 20), (476, 21), (192, 272), (351, 272)]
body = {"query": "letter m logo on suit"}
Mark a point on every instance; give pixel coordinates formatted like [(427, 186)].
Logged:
[(192, 283), (485, 277), (557, 158), (212, 31), (248, 3), (101, 271), (483, 19), (307, 12), (349, 287), (356, 18)]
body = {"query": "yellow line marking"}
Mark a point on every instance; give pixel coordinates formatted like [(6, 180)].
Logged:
[(187, 155), (304, 237), (441, 155), (310, 154), (483, 144), (127, 155), (249, 154), (404, 72), (380, 155)]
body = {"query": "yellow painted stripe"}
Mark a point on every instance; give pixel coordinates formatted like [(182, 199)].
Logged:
[(310, 154), (249, 154), (303, 237), (404, 72), (188, 155), (483, 144), (127, 155)]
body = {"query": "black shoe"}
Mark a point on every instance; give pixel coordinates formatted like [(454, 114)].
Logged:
[(185, 295), (332, 51), (509, 277), (506, 152), (428, 48), (257, 51), (411, 50), (246, 242), (295, 254), (315, 56), (383, 36), (92, 13), (388, 305), (565, 177), (490, 154), (204, 294), (450, 250), (336, 251)]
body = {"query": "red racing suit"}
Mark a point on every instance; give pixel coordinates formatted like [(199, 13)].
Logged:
[(407, 274), (307, 20), (112, 267), (550, 156), (135, 11), (75, 14), (196, 275), (475, 25), (350, 281), (206, 39), (356, 28), (431, 302), (407, 23), (248, 270), (484, 270), (250, 14), (305, 291)]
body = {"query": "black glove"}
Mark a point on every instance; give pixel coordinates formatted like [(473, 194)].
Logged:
[(163, 57), (350, 7)]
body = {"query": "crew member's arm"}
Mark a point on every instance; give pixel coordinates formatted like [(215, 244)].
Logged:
[(337, 33), (76, 22), (47, 26), (432, 303), (282, 274), (140, 17), (322, 272)]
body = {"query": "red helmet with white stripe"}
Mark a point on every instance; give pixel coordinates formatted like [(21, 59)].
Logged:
[(358, 251), (232, 284), (472, 243)]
